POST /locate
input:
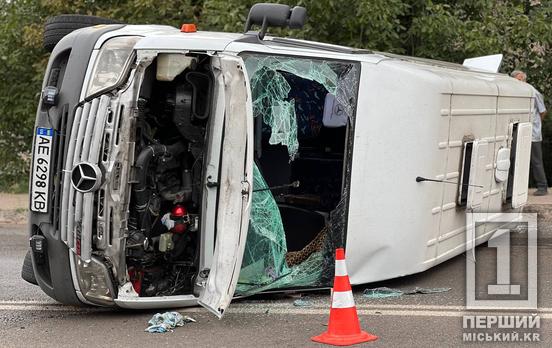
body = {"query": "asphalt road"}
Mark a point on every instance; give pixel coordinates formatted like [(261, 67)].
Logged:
[(30, 318)]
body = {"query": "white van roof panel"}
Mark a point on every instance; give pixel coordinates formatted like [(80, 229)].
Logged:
[(200, 40), (460, 78)]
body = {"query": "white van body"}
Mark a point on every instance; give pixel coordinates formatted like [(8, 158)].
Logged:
[(414, 118)]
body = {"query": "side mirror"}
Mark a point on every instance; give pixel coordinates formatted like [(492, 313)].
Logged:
[(298, 17), (275, 15)]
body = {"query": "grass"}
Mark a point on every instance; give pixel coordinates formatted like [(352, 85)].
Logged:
[(20, 185)]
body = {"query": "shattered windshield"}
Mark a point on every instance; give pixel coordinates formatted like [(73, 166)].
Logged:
[(272, 80), (304, 114)]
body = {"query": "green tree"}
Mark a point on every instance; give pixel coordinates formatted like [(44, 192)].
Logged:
[(367, 23), (449, 30), (20, 73)]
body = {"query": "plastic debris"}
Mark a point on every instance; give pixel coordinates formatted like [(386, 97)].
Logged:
[(163, 322), (302, 302), (385, 292)]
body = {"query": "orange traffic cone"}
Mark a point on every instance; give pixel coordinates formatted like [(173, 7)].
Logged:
[(343, 327)]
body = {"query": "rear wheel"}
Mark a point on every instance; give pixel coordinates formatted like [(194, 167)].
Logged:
[(27, 271), (57, 27)]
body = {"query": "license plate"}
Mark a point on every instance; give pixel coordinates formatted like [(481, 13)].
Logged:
[(41, 169)]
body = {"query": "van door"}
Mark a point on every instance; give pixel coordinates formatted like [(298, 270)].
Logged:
[(472, 176), (477, 174), (521, 164), (234, 186)]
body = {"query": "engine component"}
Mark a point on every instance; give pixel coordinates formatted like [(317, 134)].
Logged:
[(136, 278), (177, 191), (142, 164), (178, 212), (142, 191), (166, 242), (170, 65), (136, 239), (156, 281), (194, 223), (177, 220), (182, 116), (201, 87), (140, 249)]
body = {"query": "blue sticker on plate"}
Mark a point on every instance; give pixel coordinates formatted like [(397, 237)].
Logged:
[(45, 131)]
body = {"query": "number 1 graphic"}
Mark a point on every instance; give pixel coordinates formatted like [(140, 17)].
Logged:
[(502, 244)]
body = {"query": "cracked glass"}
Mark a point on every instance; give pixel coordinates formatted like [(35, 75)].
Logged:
[(270, 88), (279, 98)]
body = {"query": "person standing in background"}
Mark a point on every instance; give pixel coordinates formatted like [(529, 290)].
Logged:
[(540, 112)]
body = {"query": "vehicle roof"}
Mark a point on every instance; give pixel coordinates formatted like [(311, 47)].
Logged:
[(170, 38), (167, 38)]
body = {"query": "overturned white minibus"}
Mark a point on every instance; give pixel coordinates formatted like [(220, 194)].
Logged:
[(173, 167)]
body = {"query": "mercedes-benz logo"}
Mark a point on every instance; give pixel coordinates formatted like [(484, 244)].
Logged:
[(86, 177)]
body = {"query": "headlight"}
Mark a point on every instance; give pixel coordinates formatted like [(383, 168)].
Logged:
[(95, 282), (111, 63)]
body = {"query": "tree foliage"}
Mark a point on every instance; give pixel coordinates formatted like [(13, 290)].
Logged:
[(441, 29)]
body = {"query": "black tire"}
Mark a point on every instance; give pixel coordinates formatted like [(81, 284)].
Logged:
[(27, 272), (59, 26)]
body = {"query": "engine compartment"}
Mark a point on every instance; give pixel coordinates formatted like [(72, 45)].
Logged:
[(162, 247), (301, 111)]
